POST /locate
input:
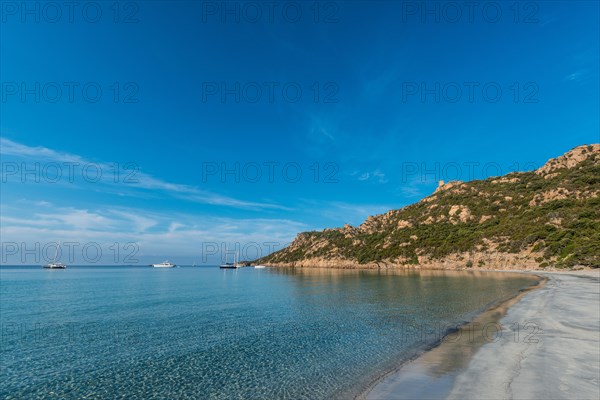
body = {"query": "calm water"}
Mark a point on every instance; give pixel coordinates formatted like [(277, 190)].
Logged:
[(142, 333)]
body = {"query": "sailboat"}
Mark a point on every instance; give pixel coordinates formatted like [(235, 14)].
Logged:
[(228, 265), (55, 264)]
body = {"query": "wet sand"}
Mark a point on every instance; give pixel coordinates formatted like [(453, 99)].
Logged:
[(543, 343)]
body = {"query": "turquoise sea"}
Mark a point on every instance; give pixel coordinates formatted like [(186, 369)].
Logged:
[(201, 332)]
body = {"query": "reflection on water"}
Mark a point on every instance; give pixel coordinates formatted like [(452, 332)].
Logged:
[(190, 332)]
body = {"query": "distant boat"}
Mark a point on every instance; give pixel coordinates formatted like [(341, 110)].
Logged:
[(228, 265), (55, 264), (260, 266), (164, 264)]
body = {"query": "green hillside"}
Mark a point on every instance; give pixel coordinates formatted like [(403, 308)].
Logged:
[(550, 217)]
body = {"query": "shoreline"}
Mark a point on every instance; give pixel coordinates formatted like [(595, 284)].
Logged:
[(505, 265), (444, 349), (454, 367)]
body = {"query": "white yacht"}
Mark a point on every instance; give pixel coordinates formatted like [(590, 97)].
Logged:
[(260, 266), (55, 264), (164, 264), (233, 265)]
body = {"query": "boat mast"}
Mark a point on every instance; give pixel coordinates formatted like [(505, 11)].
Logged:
[(56, 252)]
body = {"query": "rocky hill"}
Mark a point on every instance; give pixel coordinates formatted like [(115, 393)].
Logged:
[(548, 218)]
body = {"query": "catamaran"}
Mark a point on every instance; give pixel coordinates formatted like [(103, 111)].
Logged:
[(55, 264), (164, 264)]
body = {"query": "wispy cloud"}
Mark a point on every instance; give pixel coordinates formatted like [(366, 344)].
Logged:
[(8, 147), (139, 180), (156, 234), (374, 176), (580, 76), (321, 130), (338, 213), (377, 86), (416, 186), (139, 223)]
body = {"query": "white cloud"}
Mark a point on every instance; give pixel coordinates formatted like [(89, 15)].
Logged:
[(137, 179), (375, 176), (139, 223), (77, 219), (155, 234), (174, 226)]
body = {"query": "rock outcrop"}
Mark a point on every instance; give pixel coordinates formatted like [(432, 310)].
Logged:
[(548, 218)]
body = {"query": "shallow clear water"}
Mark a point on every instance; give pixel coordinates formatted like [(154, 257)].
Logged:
[(142, 333)]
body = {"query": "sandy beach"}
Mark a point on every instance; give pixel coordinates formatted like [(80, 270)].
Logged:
[(546, 345)]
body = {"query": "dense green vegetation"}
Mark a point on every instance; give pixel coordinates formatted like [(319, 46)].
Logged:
[(557, 214)]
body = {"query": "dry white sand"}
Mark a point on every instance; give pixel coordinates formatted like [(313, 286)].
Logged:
[(549, 348)]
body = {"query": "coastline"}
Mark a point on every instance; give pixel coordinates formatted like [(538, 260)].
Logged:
[(491, 262), (467, 365), (443, 358)]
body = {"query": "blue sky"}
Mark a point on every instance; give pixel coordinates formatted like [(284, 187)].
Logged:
[(372, 102)]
